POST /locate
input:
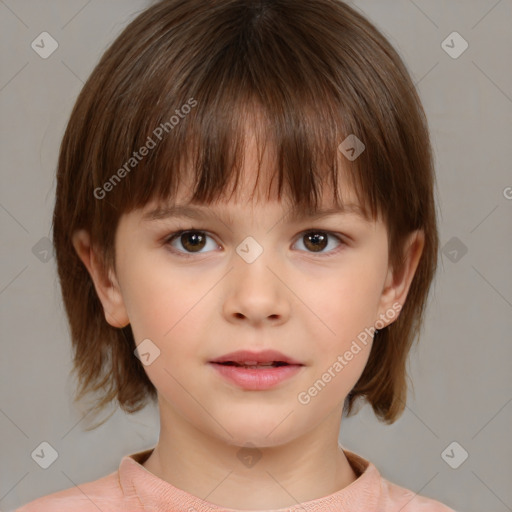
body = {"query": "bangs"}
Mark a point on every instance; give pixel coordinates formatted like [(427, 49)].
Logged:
[(296, 148), (189, 111)]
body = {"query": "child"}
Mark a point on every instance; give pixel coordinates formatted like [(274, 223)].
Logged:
[(254, 316)]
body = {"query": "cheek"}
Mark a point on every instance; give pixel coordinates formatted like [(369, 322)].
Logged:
[(155, 300), (167, 310), (169, 307), (149, 310), (347, 303), (343, 338)]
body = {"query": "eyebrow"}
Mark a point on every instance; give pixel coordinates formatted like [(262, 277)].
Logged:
[(297, 214)]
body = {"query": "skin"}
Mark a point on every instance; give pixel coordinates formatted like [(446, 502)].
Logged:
[(307, 305)]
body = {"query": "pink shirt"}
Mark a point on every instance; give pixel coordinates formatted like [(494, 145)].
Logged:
[(132, 488)]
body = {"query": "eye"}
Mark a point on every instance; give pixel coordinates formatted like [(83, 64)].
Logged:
[(316, 241), (192, 241)]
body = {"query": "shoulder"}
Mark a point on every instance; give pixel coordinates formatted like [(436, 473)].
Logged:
[(399, 498), (104, 494)]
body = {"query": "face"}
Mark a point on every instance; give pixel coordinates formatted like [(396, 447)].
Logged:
[(246, 276)]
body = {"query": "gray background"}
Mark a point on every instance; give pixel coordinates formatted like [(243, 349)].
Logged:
[(460, 369)]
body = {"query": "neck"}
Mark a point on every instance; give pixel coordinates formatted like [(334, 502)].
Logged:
[(254, 475)]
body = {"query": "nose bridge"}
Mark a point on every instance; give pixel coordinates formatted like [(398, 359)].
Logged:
[(252, 262), (254, 291)]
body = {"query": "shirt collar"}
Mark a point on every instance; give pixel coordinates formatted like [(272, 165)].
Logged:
[(158, 495)]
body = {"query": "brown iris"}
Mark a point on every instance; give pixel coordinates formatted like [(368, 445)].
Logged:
[(193, 240), (316, 241)]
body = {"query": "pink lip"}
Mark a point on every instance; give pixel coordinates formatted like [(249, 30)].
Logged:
[(256, 379)]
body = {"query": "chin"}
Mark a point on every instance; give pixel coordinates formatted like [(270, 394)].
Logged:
[(257, 440), (261, 433)]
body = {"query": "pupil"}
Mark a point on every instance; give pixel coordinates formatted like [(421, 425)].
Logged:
[(319, 241), (197, 241)]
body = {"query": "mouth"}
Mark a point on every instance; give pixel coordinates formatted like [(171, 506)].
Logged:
[(256, 360), (255, 365), (256, 371)]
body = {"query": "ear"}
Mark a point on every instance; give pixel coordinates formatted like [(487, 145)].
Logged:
[(397, 285), (107, 287)]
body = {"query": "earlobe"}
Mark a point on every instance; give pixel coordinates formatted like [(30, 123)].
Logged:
[(397, 284), (107, 287)]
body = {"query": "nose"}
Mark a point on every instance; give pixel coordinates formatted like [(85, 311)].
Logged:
[(256, 293)]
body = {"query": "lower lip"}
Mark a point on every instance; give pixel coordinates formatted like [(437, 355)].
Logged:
[(257, 379)]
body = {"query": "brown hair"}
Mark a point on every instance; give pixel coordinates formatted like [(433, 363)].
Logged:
[(181, 80)]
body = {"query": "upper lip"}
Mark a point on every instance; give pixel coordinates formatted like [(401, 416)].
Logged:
[(265, 356)]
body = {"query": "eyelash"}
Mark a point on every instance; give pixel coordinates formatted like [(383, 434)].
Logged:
[(176, 234)]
